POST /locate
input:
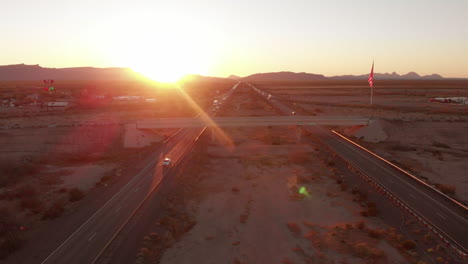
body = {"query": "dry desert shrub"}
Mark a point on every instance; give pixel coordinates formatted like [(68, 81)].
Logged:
[(400, 147), (243, 218), (301, 179), (294, 227), (75, 194), (10, 244), (428, 237), (54, 211), (144, 251), (10, 238), (440, 145), (375, 233), (275, 140), (361, 225), (11, 172), (437, 154), (50, 179), (364, 250), (343, 187), (26, 190), (32, 203), (371, 210), (104, 180), (359, 196), (298, 157), (408, 244)]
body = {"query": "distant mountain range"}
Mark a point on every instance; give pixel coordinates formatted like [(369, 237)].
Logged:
[(284, 76), (302, 76), (390, 76), (36, 72)]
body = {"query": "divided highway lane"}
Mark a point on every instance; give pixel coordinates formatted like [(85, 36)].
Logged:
[(451, 220), (87, 243), (440, 214), (84, 245)]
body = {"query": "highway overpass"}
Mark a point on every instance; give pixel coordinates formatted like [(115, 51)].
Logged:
[(157, 123)]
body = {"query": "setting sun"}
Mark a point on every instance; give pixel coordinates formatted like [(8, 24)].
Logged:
[(164, 57), (167, 74), (169, 64)]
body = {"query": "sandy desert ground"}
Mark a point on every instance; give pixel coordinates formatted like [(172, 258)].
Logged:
[(46, 172), (269, 198), (428, 139), (265, 197)]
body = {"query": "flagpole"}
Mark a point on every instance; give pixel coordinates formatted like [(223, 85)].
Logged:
[(371, 82)]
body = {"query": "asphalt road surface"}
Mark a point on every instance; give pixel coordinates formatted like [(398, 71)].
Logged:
[(91, 238), (85, 244), (451, 220)]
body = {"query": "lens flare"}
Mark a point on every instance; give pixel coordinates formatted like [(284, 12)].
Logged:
[(217, 132), (304, 191)]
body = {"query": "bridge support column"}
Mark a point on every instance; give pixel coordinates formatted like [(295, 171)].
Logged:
[(138, 138), (213, 136), (298, 134)]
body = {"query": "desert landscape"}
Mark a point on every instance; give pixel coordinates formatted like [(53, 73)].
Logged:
[(237, 132), (53, 158), (272, 197), (253, 195), (426, 138)]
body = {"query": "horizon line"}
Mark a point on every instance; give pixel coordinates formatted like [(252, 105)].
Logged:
[(218, 76)]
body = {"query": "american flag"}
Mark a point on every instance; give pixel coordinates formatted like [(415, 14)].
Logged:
[(371, 76)]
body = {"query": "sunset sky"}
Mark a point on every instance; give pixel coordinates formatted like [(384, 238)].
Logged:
[(165, 39)]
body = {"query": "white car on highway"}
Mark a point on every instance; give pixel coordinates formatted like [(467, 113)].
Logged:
[(166, 162)]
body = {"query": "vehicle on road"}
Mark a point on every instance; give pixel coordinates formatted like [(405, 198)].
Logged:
[(167, 162)]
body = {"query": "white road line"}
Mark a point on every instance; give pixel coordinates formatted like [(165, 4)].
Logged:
[(404, 181), (97, 212), (412, 196), (441, 215), (397, 177), (91, 237), (116, 210)]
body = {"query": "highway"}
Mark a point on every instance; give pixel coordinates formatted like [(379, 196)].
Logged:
[(157, 123), (87, 243), (448, 218)]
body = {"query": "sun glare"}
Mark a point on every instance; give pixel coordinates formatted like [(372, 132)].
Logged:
[(165, 61), (158, 73)]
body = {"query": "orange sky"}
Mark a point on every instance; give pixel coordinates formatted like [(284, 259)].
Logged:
[(166, 39)]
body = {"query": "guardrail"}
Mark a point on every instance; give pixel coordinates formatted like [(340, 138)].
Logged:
[(429, 187), (459, 249), (398, 202)]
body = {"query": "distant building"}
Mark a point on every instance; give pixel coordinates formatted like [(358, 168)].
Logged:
[(57, 104), (127, 98), (450, 100), (33, 96)]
